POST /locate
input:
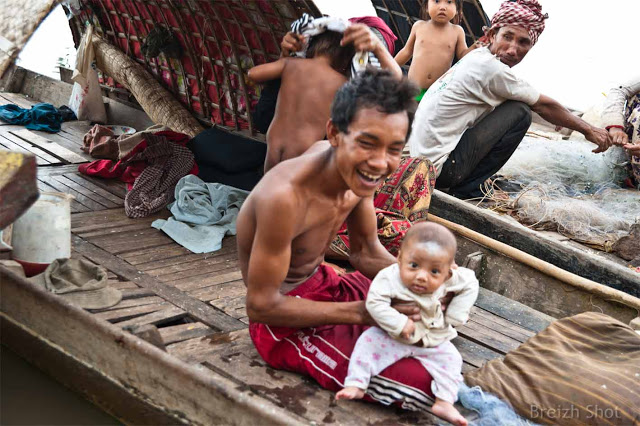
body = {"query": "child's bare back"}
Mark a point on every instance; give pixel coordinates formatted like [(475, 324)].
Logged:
[(303, 109)]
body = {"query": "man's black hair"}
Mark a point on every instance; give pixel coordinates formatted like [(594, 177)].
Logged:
[(374, 88), (328, 44)]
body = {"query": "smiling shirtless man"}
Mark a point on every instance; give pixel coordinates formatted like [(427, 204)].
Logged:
[(304, 317)]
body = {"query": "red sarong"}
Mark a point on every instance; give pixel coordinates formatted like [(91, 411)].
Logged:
[(323, 352)]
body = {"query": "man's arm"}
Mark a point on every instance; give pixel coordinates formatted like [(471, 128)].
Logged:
[(268, 266), (406, 52), (267, 72), (364, 40), (555, 113), (367, 254)]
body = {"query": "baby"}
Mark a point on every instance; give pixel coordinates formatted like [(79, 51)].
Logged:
[(425, 272), (433, 43)]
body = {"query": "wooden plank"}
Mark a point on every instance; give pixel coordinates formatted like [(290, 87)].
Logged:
[(114, 186), (221, 267), (132, 303), (201, 281), (9, 146), (18, 99), (513, 311), (167, 251), (77, 128), (189, 260), (122, 285), (217, 291), (58, 170), (104, 231), (491, 339), (97, 197), (15, 143), (116, 315), (75, 206), (49, 146), (182, 332), (80, 180), (132, 244), (500, 325), (473, 353), (136, 232), (78, 197), (155, 318), (134, 293), (197, 309)]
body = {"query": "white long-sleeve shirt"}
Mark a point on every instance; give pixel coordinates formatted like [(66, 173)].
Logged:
[(613, 113), (434, 327)]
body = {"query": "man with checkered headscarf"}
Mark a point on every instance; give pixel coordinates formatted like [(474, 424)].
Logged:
[(473, 118)]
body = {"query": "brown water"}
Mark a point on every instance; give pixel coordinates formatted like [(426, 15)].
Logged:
[(30, 397)]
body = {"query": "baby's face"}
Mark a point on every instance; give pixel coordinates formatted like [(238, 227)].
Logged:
[(424, 266)]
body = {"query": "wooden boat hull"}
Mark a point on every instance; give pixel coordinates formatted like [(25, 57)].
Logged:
[(565, 256)]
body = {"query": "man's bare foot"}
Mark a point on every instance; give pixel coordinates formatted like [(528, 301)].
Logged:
[(350, 392), (447, 411)]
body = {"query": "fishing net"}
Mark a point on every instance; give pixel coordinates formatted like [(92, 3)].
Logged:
[(562, 186)]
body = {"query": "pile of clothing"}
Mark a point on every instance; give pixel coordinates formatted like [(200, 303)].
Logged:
[(150, 162)]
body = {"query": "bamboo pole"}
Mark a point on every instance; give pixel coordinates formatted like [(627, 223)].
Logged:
[(560, 274), (156, 101)]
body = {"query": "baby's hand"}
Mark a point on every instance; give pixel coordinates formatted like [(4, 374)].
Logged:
[(408, 329)]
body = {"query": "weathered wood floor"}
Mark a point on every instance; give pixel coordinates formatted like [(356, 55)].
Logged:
[(197, 301)]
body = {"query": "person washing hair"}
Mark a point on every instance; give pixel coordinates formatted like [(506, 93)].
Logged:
[(433, 43), (473, 118)]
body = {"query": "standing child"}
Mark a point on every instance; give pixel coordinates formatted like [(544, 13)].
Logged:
[(307, 90), (424, 273), (433, 43)]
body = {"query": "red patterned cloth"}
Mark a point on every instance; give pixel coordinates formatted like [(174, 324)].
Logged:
[(522, 13), (126, 169), (403, 198)]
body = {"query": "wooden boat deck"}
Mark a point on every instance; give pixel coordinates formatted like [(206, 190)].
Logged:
[(197, 301)]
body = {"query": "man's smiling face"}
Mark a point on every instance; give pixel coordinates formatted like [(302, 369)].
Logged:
[(371, 149)]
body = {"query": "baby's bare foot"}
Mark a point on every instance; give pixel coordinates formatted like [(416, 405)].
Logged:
[(448, 412), (350, 392)]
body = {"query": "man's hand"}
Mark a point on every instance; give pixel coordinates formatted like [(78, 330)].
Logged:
[(362, 37), (445, 300), (408, 329), (410, 309), (600, 137), (291, 42), (618, 136), (634, 149)]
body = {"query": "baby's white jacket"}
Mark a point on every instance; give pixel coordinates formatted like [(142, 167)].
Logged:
[(434, 328)]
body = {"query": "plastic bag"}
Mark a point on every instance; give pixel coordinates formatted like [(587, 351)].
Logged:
[(86, 96)]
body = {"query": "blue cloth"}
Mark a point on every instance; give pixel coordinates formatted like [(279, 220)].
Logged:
[(40, 117), (492, 411), (203, 214)]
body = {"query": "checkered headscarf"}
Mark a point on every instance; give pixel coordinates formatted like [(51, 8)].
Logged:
[(521, 13)]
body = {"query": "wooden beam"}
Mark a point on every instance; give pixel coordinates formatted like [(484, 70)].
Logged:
[(204, 313)]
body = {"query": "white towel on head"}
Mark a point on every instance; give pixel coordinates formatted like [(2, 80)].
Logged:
[(309, 26)]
